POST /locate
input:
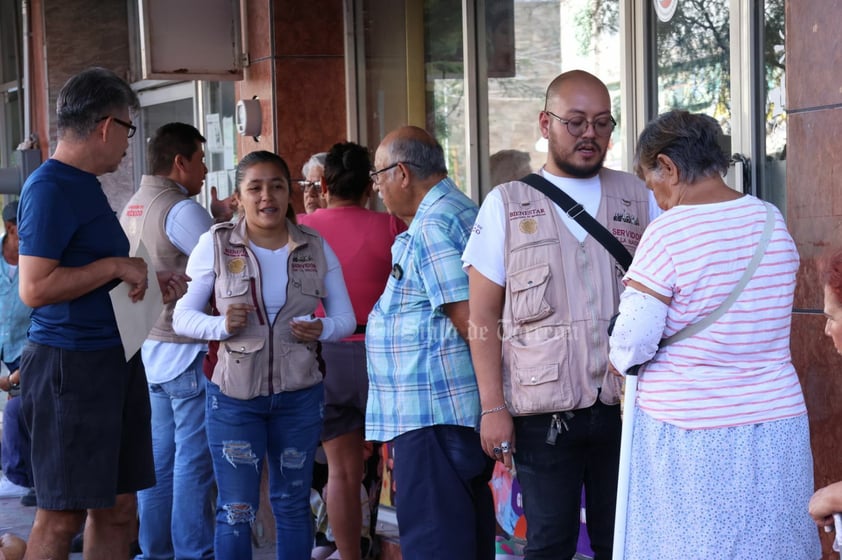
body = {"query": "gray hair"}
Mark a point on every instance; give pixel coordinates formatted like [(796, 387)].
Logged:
[(316, 160), (509, 165), (691, 140), (89, 96), (425, 155)]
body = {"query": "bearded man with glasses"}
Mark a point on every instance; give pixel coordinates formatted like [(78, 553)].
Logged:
[(549, 404)]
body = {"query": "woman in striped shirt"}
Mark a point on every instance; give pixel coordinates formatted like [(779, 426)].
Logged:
[(721, 465)]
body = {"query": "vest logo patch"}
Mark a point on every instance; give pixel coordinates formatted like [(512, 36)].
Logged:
[(234, 252), (627, 218), (236, 266), (531, 213), (528, 226), (134, 210), (304, 266)]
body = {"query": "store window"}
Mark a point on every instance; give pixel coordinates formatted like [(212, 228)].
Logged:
[(10, 94), (773, 122), (209, 106), (220, 132), (532, 43), (710, 57), (414, 71)]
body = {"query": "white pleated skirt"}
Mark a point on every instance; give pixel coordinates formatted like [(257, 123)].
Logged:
[(729, 493)]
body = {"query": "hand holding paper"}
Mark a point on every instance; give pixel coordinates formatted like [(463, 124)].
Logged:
[(135, 318)]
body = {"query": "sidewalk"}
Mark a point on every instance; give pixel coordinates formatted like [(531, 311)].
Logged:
[(17, 519)]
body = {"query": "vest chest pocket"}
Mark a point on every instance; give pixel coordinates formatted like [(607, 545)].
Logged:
[(529, 294), (311, 286), (232, 287), (235, 373)]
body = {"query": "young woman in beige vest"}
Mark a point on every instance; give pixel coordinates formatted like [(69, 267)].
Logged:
[(264, 276)]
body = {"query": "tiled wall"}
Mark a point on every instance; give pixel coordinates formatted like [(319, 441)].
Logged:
[(814, 215), (297, 70), (80, 34)]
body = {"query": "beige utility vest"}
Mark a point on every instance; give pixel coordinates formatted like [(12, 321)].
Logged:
[(265, 358), (560, 295), (144, 218)]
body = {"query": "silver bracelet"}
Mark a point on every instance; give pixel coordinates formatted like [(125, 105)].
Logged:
[(491, 410)]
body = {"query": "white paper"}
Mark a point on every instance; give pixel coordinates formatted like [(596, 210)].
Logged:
[(213, 130), (135, 320), (228, 142)]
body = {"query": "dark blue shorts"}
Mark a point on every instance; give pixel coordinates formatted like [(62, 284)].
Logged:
[(89, 420)]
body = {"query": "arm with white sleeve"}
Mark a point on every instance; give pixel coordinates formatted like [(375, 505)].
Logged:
[(638, 329), (189, 316), (340, 320)]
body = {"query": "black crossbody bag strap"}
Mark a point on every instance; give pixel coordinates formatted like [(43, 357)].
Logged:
[(578, 213)]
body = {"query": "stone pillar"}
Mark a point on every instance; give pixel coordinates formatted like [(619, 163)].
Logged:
[(814, 216), (297, 70), (65, 51)]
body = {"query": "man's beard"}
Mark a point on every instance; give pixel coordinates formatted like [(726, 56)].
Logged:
[(578, 171)]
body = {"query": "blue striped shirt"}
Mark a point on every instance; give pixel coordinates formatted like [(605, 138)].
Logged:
[(419, 368)]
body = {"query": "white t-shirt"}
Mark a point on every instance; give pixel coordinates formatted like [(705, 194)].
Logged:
[(190, 319), (488, 236)]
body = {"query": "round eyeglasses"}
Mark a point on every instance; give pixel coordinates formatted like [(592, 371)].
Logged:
[(602, 126)]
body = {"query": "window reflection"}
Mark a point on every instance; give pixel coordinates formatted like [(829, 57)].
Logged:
[(549, 38), (774, 71)]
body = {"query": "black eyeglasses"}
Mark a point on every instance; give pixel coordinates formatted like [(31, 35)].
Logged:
[(602, 126), (132, 128), (375, 174), (306, 185)]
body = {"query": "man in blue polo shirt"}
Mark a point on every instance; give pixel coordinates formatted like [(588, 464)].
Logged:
[(86, 407)]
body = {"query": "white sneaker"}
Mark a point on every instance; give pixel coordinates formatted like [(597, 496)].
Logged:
[(9, 489)]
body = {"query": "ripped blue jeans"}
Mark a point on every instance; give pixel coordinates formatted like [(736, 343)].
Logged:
[(284, 428)]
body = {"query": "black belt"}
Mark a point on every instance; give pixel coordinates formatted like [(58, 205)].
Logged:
[(360, 329)]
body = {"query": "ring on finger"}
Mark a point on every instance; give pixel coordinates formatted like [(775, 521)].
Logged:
[(505, 447), (497, 451)]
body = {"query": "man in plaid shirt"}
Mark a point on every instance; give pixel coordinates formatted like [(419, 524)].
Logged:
[(423, 394)]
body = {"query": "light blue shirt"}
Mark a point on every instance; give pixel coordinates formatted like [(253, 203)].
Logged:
[(14, 314), (419, 368), (164, 361)]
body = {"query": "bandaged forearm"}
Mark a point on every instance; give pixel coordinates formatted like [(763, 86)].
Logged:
[(638, 329)]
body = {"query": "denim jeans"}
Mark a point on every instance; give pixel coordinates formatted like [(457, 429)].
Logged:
[(551, 478), (14, 450), (284, 428), (176, 515), (443, 501)]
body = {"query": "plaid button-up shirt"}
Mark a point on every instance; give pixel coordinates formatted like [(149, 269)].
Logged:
[(419, 368)]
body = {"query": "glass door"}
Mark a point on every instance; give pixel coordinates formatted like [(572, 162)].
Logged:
[(159, 106), (724, 58)]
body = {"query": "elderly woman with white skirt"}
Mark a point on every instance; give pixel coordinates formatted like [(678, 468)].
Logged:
[(721, 465)]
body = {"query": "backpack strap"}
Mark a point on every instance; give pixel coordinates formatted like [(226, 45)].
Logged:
[(577, 212)]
